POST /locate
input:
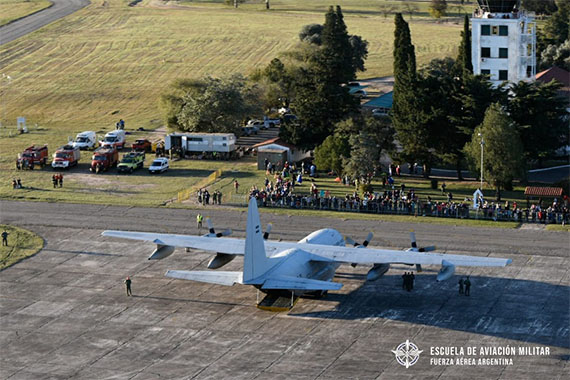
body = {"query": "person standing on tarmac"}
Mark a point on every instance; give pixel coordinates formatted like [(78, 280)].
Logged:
[(128, 285), (460, 286), (199, 220), (467, 286)]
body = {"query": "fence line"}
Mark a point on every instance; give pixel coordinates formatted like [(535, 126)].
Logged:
[(459, 211), (185, 194)]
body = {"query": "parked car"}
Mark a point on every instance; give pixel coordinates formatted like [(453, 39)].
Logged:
[(247, 131), (256, 125), (159, 165), (361, 94), (353, 84), (142, 145)]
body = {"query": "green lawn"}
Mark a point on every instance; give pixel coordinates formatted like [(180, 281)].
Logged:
[(108, 62), (21, 244), (11, 10)]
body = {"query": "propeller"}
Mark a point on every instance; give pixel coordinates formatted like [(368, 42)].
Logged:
[(267, 231), (212, 231), (420, 249), (364, 244)]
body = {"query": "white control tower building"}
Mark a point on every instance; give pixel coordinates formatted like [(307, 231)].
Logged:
[(503, 41)]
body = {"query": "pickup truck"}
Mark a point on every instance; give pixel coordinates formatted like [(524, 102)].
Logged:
[(103, 159), (130, 162), (66, 157), (33, 155), (142, 145)]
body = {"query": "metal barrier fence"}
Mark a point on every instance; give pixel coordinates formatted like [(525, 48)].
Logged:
[(185, 194), (442, 210)]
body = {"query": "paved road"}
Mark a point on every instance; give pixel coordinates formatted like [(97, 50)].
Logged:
[(59, 9), (65, 315)]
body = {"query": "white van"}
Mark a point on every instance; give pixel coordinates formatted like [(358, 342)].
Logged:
[(85, 140), (159, 165), (115, 139)]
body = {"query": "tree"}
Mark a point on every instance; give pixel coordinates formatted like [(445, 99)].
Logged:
[(503, 149), (407, 114), (369, 138), (320, 99), (331, 153), (311, 33), (541, 117), (557, 27), (438, 8), (464, 57), (211, 105), (556, 55), (540, 6)]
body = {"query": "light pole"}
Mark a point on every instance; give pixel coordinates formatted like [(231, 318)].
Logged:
[(482, 145), (8, 79)]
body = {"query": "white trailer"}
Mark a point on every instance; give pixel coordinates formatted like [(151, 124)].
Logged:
[(201, 142)]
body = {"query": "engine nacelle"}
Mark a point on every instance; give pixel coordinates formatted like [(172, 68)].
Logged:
[(161, 252), (377, 271), (220, 260), (447, 270)]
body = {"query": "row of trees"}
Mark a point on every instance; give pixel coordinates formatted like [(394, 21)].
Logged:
[(437, 111), (435, 116)]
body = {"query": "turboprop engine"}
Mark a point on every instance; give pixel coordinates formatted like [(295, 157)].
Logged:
[(161, 252), (447, 270), (377, 271), (220, 260)]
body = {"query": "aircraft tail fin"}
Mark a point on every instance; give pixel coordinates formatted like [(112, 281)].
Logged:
[(255, 261)]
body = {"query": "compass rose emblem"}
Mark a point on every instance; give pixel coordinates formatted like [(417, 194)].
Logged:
[(407, 354)]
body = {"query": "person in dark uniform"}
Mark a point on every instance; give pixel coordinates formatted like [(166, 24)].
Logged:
[(467, 286), (411, 281), (404, 280), (128, 285), (5, 238), (54, 180), (460, 286)]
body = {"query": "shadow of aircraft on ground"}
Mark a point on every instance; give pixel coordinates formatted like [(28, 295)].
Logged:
[(523, 310)]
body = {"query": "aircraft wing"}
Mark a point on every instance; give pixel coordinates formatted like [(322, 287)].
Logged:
[(212, 277), (236, 246), (387, 256), (222, 245), (299, 283)]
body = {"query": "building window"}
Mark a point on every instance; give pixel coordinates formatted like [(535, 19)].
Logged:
[(528, 71), (485, 52), (503, 53), (503, 74), (503, 30), (485, 30), (485, 72)]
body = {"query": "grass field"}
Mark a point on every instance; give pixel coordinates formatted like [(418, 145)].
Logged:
[(108, 62), (21, 244), (11, 10)]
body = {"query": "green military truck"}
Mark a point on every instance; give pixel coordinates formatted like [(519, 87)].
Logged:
[(130, 162)]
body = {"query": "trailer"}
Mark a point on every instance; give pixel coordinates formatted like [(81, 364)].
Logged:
[(209, 144)]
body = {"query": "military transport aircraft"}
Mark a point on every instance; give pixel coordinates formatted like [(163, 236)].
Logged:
[(294, 268)]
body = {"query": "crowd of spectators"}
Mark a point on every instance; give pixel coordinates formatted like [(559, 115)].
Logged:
[(281, 192)]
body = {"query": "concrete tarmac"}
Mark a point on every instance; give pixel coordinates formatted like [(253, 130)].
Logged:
[(64, 312)]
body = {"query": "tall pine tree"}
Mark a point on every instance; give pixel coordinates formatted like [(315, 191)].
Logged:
[(464, 56), (407, 115)]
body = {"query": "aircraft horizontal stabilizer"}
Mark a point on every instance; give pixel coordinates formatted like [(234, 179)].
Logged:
[(211, 277), (299, 283)]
